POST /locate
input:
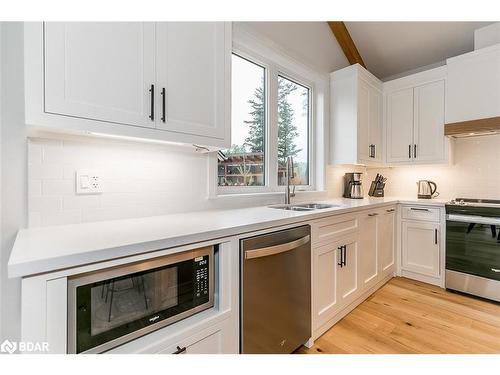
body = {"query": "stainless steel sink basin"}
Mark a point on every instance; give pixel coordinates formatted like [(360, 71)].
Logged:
[(317, 206), (289, 207), (304, 206)]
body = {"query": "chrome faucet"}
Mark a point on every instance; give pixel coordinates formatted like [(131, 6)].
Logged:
[(289, 174)]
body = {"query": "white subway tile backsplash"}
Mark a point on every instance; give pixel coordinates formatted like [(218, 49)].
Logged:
[(58, 187), (137, 180)]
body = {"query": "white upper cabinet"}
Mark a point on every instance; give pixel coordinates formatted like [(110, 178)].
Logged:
[(414, 118), (473, 85), (100, 70), (192, 79), (356, 117), (429, 122), (399, 120), (164, 81)]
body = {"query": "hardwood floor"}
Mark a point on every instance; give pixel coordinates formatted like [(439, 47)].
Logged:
[(407, 316)]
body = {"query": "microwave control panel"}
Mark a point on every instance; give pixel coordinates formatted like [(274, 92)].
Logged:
[(201, 272)]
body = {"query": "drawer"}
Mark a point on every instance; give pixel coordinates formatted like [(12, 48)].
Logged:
[(420, 213), (332, 228)]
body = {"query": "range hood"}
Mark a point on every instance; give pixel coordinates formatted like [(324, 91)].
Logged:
[(471, 128)]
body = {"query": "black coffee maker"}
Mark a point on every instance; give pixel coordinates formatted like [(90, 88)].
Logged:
[(352, 186)]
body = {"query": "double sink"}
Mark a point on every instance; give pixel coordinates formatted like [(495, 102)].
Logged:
[(304, 206)]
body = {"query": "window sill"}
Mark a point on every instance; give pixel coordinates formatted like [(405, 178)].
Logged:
[(299, 195)]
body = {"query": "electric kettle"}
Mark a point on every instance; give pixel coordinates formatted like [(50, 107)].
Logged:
[(427, 189)]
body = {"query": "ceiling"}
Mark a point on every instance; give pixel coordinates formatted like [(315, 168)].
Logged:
[(391, 48)]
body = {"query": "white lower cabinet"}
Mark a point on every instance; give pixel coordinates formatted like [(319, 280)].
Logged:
[(325, 267), (386, 242), (347, 266), (422, 255), (368, 257), (212, 340), (347, 273), (420, 248)]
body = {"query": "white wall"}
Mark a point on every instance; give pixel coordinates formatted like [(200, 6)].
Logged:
[(312, 43), (13, 169), (475, 173)]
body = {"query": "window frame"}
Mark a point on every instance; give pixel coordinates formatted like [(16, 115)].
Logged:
[(280, 64)]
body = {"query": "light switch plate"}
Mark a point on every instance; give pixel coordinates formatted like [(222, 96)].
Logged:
[(88, 182)]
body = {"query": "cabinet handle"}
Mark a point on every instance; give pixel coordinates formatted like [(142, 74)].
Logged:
[(341, 264), (419, 209), (391, 210), (345, 255), (373, 214), (163, 105), (180, 350), (435, 236), (152, 112), (374, 151), (409, 151), (415, 151)]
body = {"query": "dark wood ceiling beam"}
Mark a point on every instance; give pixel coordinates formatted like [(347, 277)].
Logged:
[(346, 43)]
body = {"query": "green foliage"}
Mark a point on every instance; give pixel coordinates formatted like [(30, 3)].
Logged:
[(287, 131), (255, 139), (235, 149)]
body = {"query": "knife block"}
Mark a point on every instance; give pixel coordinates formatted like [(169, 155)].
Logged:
[(376, 189)]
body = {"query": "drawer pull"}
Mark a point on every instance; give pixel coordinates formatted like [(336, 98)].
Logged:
[(419, 209), (391, 210), (180, 350), (495, 270), (373, 214)]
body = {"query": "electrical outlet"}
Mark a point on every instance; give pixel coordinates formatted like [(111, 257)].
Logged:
[(88, 182)]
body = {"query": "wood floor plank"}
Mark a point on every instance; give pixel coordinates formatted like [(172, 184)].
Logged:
[(407, 316)]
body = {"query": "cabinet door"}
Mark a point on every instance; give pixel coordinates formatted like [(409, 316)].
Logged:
[(429, 122), (473, 85), (100, 70), (369, 123), (368, 268), (193, 67), (386, 240), (420, 247), (363, 129), (399, 126), (375, 121), (325, 265), (347, 277)]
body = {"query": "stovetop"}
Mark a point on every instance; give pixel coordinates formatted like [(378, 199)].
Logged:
[(476, 207), (475, 202)]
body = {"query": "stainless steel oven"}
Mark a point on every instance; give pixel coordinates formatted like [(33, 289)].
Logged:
[(473, 247), (109, 307)]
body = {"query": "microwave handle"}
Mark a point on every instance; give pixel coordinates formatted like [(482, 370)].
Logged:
[(276, 249)]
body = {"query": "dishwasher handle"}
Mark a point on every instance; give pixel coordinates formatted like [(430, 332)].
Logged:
[(276, 249)]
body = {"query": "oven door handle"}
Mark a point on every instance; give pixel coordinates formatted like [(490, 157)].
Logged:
[(473, 219), (276, 249)]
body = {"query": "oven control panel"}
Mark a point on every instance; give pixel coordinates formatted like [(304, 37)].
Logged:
[(201, 278)]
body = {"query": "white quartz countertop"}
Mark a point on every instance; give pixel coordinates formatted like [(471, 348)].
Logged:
[(47, 249)]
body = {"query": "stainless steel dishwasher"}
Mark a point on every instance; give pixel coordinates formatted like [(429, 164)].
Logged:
[(275, 291)]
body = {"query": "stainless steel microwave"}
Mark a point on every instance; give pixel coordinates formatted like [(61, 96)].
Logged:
[(110, 307)]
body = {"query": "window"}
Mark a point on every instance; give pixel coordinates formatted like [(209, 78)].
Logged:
[(244, 164), (293, 130), (270, 121)]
